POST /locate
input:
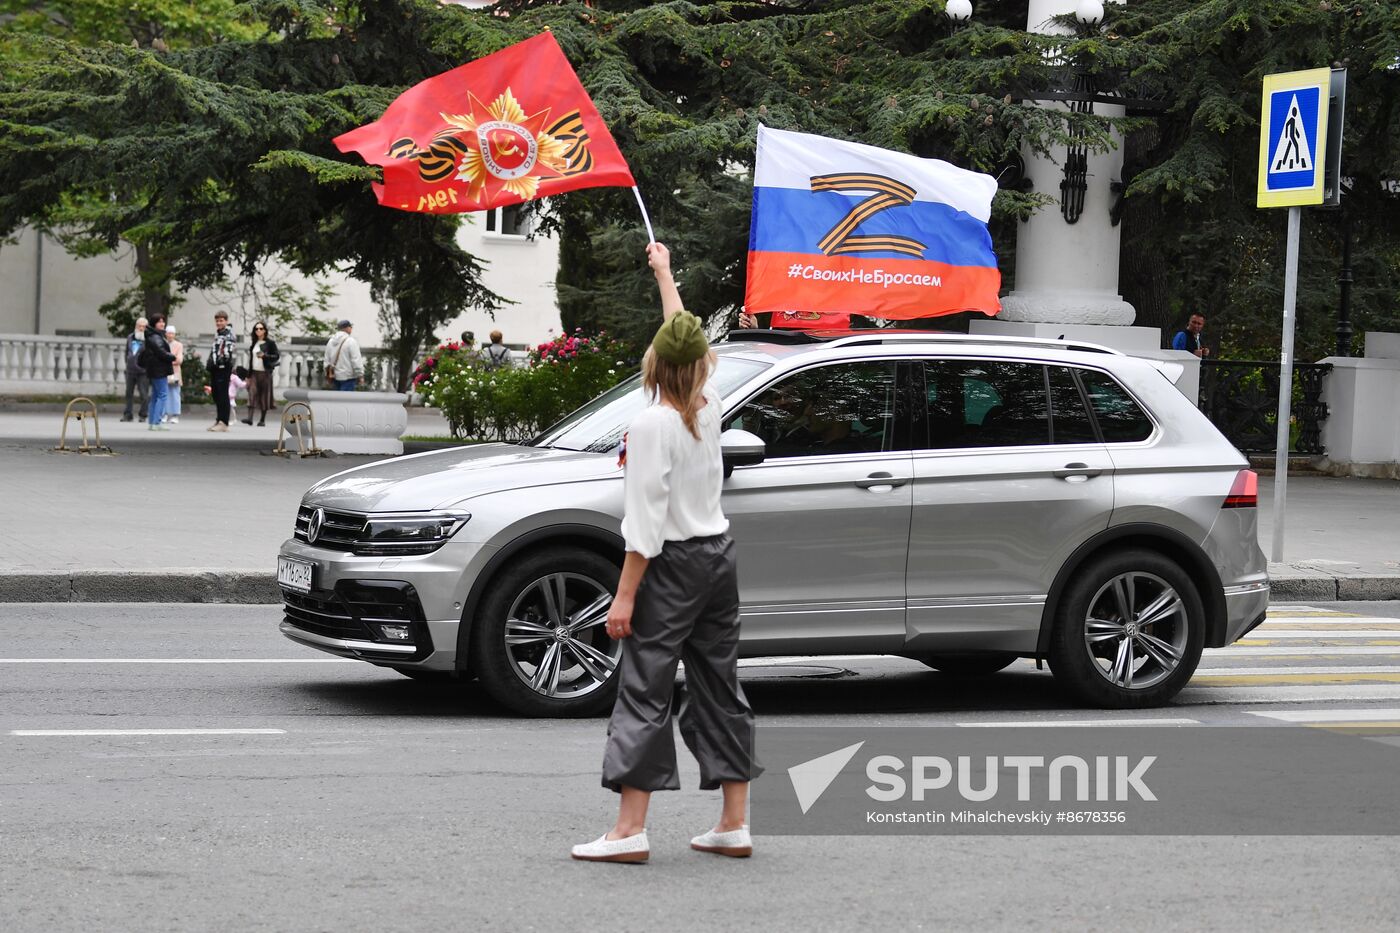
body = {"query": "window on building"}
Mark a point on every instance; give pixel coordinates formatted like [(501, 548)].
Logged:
[(509, 221)]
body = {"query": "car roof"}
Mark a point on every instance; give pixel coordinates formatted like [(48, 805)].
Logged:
[(791, 346)]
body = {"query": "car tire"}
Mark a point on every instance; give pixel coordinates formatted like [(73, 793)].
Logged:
[(540, 674), (968, 665), (1138, 597)]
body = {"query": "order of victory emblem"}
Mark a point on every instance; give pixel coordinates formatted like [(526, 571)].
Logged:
[(498, 149)]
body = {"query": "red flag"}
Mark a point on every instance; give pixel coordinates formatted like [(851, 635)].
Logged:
[(811, 320), (507, 128)]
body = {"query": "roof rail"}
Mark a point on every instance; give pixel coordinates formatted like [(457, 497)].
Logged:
[(765, 335), (856, 340)]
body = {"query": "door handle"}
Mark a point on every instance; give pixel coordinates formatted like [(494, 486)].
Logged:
[(1073, 470), (880, 479)]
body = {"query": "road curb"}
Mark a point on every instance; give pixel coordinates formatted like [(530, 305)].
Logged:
[(260, 586), (141, 586)]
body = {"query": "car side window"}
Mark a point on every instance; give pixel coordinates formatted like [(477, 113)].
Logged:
[(986, 403), (843, 408), (1070, 422), (1120, 418)]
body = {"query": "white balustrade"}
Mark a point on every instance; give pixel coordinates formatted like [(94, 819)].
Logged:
[(46, 365)]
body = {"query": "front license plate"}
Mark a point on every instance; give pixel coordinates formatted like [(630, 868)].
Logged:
[(295, 574)]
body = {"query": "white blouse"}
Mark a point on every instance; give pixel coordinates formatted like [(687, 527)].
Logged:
[(673, 481), (257, 361)]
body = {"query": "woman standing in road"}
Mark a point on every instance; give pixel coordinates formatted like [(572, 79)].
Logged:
[(262, 360), (678, 599)]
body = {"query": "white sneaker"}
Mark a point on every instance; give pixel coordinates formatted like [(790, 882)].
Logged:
[(736, 843), (603, 849), (175, 420)]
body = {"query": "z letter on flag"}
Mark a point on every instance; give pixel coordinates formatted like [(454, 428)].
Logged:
[(845, 227), (507, 128)]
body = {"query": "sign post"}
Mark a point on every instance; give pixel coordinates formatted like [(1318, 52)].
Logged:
[(1293, 146)]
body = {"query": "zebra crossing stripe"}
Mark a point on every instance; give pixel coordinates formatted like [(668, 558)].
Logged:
[(1328, 715)]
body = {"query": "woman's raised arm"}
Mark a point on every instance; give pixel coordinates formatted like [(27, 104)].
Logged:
[(659, 258)]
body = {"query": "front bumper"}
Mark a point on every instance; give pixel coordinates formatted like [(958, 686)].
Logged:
[(352, 597)]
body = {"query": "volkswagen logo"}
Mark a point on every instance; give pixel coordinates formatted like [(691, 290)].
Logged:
[(313, 527)]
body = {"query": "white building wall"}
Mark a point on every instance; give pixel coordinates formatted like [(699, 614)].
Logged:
[(71, 290)]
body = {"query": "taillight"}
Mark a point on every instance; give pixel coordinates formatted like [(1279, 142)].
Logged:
[(1244, 492)]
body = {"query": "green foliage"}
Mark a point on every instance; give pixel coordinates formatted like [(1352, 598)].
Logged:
[(1193, 239), (195, 376), (214, 153), (516, 403)]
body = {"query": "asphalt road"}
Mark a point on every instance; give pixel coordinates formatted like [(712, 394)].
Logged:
[(361, 800)]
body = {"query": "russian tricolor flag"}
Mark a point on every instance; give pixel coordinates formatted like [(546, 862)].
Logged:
[(841, 227)]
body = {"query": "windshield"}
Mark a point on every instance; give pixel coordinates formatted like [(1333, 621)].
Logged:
[(598, 426)]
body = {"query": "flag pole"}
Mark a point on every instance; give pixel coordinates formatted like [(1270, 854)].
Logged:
[(651, 237)]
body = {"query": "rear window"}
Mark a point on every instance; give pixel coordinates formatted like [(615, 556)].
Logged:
[(1120, 418)]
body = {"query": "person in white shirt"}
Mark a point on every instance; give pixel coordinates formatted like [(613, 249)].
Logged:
[(345, 365), (677, 543)]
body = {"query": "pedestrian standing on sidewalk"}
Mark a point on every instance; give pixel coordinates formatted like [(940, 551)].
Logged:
[(172, 402), (496, 355), (1189, 337), (344, 363), (263, 357), (220, 368), (159, 363), (677, 599), (136, 376)]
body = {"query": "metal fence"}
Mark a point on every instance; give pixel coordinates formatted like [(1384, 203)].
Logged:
[(1241, 398)]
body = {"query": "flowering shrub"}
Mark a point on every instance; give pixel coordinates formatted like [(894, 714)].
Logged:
[(427, 370), (516, 403)]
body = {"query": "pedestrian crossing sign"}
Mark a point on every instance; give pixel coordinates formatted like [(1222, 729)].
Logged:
[(1293, 138)]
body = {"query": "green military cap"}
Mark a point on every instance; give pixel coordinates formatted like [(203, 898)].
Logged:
[(681, 339)]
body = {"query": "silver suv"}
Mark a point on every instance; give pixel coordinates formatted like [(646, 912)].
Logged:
[(964, 501)]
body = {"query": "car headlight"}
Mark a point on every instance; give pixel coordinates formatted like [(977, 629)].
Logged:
[(408, 534)]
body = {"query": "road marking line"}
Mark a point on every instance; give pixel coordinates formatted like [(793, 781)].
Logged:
[(1222, 695), (71, 732), (1066, 723), (1265, 679), (1252, 650), (1320, 636), (178, 661), (1340, 633), (1339, 623), (1328, 715), (1262, 671), (1331, 627), (1316, 614)]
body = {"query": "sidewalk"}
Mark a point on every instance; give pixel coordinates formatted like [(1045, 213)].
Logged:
[(189, 516)]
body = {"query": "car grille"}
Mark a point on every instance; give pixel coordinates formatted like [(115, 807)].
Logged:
[(338, 532), (346, 611)]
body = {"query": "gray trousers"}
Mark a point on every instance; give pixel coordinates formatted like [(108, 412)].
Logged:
[(687, 609), (136, 383)]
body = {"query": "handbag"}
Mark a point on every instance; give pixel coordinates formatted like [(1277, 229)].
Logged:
[(330, 367)]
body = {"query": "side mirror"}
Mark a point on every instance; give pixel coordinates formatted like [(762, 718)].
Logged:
[(740, 448)]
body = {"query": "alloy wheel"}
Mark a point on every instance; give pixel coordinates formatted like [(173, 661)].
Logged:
[(555, 637), (1137, 630)]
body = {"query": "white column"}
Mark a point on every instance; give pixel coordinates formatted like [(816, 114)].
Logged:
[(1068, 273)]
